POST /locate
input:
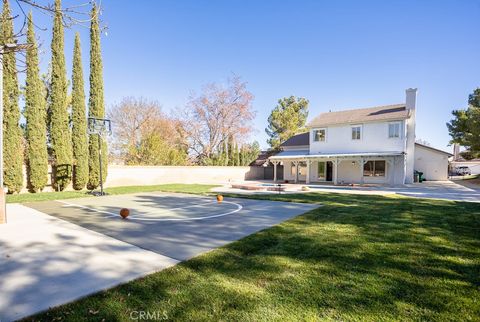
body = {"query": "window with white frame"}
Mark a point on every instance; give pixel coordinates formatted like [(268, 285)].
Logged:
[(374, 168), (394, 130), (319, 135), (356, 132)]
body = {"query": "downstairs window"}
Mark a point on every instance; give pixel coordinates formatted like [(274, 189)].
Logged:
[(374, 168)]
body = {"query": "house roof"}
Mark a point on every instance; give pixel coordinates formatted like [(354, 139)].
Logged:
[(433, 149), (261, 159), (298, 140), (371, 114)]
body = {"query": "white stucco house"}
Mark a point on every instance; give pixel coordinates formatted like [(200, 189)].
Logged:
[(367, 145)]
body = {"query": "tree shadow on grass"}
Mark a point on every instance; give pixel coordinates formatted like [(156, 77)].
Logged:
[(355, 258)]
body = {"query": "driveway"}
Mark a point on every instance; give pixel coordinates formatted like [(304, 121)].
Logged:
[(448, 190)]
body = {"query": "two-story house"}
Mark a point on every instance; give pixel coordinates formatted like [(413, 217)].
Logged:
[(368, 145)]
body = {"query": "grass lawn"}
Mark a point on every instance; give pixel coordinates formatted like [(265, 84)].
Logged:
[(42, 196), (359, 257)]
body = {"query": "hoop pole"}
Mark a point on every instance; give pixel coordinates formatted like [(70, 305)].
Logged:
[(100, 161)]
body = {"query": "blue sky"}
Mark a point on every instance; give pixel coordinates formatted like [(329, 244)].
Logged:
[(337, 54)]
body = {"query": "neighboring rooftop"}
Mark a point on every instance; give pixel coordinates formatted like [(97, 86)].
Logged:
[(261, 160), (371, 114), (434, 149), (298, 140)]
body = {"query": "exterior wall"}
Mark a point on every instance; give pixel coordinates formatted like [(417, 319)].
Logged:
[(349, 172), (398, 170), (295, 148), (374, 138), (151, 175), (434, 165), (287, 172)]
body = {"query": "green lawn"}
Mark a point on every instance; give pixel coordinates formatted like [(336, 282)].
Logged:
[(42, 196), (357, 258)]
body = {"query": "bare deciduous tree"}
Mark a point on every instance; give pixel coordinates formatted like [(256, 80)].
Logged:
[(136, 119), (220, 112)]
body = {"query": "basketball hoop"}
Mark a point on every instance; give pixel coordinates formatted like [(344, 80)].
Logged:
[(99, 126), (102, 128)]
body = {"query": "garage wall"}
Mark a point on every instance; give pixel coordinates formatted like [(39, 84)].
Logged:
[(433, 164)]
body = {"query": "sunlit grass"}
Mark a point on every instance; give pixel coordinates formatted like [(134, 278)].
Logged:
[(43, 196), (357, 258)]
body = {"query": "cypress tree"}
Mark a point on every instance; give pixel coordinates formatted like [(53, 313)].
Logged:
[(231, 152), (237, 155), (59, 128), (79, 120), (36, 114), (96, 106), (225, 153), (12, 141)]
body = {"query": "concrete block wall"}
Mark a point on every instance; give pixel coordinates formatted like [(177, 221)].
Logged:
[(120, 175)]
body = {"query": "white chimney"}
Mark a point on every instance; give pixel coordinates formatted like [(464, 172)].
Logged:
[(456, 152), (411, 98), (410, 104)]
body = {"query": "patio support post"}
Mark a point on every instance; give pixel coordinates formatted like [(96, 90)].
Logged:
[(296, 170), (307, 179), (390, 173), (275, 171), (335, 171), (361, 170)]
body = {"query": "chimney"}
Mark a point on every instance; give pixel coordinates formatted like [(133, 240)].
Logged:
[(411, 98), (410, 102), (456, 151)]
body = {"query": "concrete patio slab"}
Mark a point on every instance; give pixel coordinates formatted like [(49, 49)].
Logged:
[(446, 190), (46, 261)]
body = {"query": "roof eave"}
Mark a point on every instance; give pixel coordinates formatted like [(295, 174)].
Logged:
[(310, 125)]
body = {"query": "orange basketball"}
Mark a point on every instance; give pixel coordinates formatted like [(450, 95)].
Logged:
[(219, 198), (124, 213)]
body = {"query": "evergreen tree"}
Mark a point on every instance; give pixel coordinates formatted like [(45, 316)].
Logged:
[(242, 155), (59, 128), (464, 128), (226, 155), (79, 121), (12, 141), (96, 106), (237, 156), (286, 119), (35, 114), (231, 156)]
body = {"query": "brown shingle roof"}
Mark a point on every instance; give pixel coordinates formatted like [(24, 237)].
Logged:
[(371, 114)]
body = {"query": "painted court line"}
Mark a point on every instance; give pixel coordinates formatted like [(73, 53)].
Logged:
[(67, 204), (239, 207), (142, 218)]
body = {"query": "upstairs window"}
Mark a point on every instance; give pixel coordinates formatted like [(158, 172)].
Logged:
[(394, 130), (356, 132), (319, 135)]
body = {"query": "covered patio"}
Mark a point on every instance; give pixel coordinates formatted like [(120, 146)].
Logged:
[(341, 168)]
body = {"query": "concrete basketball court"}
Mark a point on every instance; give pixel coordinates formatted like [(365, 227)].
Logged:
[(54, 252), (179, 226)]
